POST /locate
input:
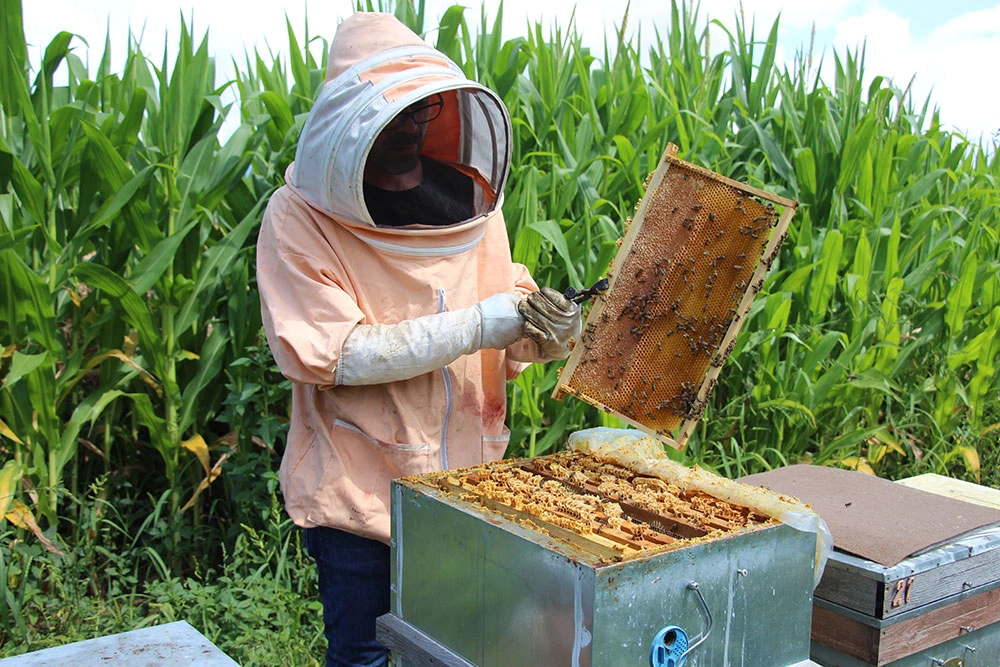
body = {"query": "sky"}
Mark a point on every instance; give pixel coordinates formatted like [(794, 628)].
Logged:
[(949, 51)]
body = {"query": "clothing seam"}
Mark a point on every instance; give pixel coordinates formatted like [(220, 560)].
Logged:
[(439, 251), (448, 398), (346, 425)]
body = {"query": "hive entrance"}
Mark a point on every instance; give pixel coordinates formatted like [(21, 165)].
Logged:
[(680, 285), (599, 505)]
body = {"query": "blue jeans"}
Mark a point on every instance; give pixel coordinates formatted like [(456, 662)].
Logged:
[(354, 588)]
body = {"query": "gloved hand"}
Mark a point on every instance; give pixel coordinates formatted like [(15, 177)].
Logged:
[(551, 321), (379, 353)]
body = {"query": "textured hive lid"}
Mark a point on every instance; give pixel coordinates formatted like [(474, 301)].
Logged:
[(875, 518), (681, 283)]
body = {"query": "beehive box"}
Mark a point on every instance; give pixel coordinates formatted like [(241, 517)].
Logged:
[(937, 606), (575, 559), (915, 576)]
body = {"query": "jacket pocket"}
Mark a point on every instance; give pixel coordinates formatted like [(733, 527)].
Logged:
[(392, 459), (494, 446)]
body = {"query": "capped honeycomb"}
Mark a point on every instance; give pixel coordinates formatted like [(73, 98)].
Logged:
[(597, 503), (681, 283)]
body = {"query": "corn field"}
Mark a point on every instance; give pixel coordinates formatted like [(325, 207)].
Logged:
[(136, 386)]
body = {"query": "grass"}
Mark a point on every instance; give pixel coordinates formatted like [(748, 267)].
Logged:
[(259, 605)]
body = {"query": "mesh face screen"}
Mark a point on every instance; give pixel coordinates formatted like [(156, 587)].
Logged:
[(681, 283)]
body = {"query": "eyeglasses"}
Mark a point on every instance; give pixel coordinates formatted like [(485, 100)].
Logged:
[(422, 114)]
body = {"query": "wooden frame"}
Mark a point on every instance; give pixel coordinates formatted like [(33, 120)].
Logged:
[(707, 199)]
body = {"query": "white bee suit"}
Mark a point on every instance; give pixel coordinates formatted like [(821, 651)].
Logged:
[(393, 337)]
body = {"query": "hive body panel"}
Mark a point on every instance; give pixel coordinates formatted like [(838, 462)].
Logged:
[(551, 569)]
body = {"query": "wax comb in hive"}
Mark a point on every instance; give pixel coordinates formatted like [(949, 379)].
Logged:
[(681, 283)]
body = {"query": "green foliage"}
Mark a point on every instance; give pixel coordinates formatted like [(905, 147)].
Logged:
[(259, 605), (261, 608), (132, 224)]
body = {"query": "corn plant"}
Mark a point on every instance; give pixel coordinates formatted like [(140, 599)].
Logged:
[(873, 343), (871, 350), (124, 260)]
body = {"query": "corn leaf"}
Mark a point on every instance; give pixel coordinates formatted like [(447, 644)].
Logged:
[(824, 282), (123, 294), (10, 476), (196, 444), (960, 295), (855, 149), (20, 515)]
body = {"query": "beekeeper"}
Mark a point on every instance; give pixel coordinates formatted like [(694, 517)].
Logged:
[(391, 302)]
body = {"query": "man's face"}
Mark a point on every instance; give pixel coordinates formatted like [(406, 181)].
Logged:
[(397, 148)]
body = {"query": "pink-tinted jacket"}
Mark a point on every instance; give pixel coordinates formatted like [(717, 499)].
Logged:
[(323, 268)]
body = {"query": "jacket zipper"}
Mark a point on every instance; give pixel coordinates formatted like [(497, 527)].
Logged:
[(446, 376)]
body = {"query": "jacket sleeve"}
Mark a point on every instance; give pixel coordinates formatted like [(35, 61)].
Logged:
[(307, 312)]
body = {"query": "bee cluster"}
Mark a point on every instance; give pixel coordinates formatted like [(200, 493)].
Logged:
[(679, 286)]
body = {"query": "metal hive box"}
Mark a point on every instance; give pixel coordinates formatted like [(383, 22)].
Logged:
[(562, 565)]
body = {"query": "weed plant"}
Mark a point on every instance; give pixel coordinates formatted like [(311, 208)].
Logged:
[(259, 605)]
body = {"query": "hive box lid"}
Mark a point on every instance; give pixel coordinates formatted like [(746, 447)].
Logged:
[(874, 518), (174, 644)]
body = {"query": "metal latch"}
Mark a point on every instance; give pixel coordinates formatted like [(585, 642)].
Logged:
[(671, 646)]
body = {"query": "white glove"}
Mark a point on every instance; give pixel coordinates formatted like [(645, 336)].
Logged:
[(552, 320), (379, 353)]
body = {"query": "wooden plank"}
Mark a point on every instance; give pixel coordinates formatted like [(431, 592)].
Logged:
[(668, 524), (601, 547), (896, 641), (883, 599), (749, 189), (911, 635), (943, 581), (598, 526), (846, 588), (844, 634), (416, 648), (954, 488)]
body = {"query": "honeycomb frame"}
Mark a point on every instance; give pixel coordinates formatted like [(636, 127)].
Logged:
[(597, 504), (680, 286)]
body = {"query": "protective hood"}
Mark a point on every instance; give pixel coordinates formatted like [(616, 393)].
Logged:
[(377, 67)]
